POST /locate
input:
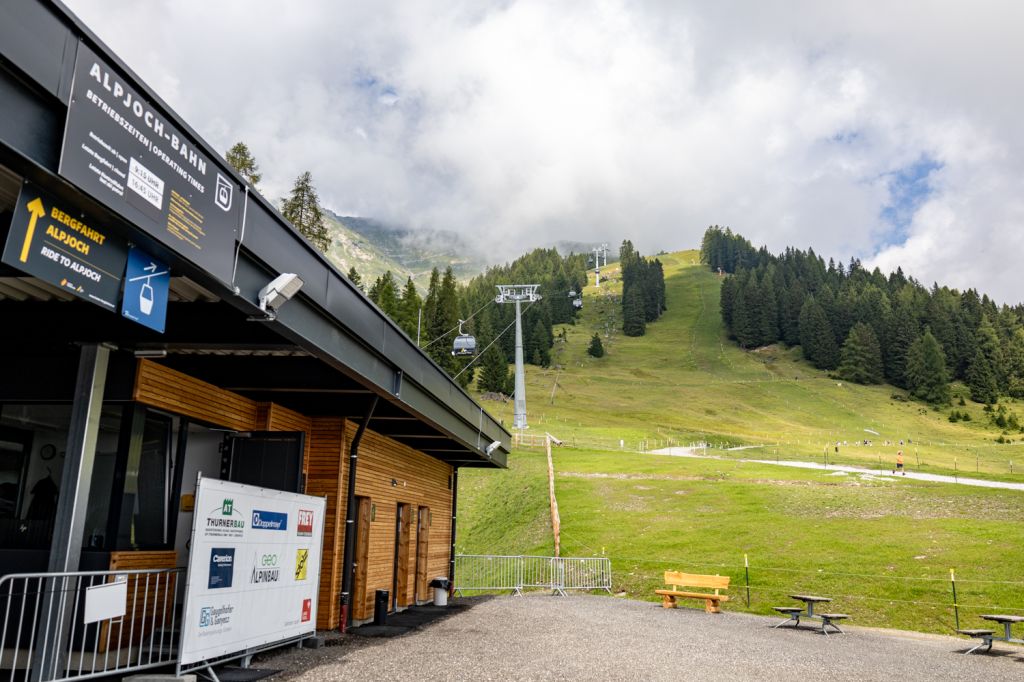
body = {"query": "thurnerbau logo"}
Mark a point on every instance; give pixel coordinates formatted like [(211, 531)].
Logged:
[(268, 520)]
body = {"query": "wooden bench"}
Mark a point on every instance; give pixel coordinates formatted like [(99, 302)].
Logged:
[(675, 580)]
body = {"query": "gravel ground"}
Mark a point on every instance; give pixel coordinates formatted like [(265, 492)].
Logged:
[(540, 637)]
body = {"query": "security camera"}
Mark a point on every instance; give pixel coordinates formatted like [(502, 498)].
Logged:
[(278, 292), (492, 447)]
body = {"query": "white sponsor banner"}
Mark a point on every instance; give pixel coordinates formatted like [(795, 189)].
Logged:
[(253, 571)]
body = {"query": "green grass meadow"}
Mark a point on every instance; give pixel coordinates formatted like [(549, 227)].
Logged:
[(882, 548)]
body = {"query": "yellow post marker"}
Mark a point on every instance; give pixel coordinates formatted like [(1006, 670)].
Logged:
[(956, 607), (36, 208)]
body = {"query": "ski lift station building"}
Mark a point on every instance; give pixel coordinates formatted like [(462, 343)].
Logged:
[(160, 319)]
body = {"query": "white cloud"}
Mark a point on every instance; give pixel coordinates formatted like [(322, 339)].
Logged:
[(527, 121)]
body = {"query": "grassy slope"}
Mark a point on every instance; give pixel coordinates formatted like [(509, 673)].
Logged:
[(873, 545), (686, 382)]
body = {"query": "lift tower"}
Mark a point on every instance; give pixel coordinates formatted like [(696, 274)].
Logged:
[(518, 293)]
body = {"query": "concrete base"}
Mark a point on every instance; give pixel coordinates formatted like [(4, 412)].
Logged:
[(312, 643), (160, 678)]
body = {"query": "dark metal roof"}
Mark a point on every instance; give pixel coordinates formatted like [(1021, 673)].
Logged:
[(329, 324)]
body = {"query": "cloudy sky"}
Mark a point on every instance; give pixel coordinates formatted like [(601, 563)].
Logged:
[(890, 132)]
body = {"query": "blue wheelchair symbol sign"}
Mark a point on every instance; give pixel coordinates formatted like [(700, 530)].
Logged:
[(145, 290)]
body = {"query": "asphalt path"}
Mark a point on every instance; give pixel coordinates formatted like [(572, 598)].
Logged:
[(863, 471), (584, 637)]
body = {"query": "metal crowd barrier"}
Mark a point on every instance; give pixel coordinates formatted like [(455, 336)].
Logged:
[(86, 624), (496, 573)]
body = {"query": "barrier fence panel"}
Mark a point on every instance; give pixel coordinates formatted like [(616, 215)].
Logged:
[(493, 573), (537, 572), (488, 573), (588, 573), (80, 625)]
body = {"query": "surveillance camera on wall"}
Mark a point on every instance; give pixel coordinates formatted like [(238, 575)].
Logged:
[(278, 292), (492, 447)]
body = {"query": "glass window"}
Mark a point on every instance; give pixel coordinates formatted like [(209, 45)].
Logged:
[(33, 440)]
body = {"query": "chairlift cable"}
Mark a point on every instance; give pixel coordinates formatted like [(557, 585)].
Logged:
[(456, 327), (495, 340)]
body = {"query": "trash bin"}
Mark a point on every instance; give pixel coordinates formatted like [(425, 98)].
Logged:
[(440, 585), (381, 602)]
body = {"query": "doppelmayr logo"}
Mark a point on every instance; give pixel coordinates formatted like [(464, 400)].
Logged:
[(268, 520)]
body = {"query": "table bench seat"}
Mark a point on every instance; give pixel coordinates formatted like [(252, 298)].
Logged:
[(788, 609), (986, 637)]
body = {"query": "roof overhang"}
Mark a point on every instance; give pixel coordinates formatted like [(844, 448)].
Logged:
[(330, 325)]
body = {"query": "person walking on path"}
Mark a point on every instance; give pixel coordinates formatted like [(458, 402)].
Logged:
[(899, 462)]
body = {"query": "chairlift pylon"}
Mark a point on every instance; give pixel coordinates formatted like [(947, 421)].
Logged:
[(464, 344)]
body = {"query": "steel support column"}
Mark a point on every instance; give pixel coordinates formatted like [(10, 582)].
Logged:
[(76, 478)]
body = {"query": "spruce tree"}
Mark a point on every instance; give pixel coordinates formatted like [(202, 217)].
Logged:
[(384, 294), (354, 277), (242, 161), (987, 341), (1015, 364), (902, 332), (981, 379), (596, 348), (302, 209), (633, 322), (409, 309), (816, 338), (926, 373), (743, 327), (493, 375), (861, 356)]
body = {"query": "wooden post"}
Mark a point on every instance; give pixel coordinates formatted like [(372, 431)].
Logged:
[(555, 522)]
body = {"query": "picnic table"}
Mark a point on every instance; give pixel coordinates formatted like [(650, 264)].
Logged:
[(795, 613), (986, 636)]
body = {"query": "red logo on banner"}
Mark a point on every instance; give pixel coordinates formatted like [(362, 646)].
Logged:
[(305, 522), (307, 609)]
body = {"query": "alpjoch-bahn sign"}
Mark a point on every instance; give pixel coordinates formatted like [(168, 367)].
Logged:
[(123, 151)]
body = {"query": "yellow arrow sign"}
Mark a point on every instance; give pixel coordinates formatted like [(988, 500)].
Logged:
[(36, 207)]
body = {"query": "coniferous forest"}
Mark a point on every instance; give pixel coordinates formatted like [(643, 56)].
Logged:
[(436, 316), (867, 326), (643, 290)]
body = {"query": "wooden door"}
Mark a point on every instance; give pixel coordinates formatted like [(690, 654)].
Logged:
[(403, 536), (422, 549), (360, 609)]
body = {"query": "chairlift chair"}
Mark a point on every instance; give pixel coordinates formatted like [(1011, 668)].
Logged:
[(464, 345)]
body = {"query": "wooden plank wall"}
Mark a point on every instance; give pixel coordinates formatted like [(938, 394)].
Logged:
[(174, 391), (150, 600), (419, 481), (326, 477)]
